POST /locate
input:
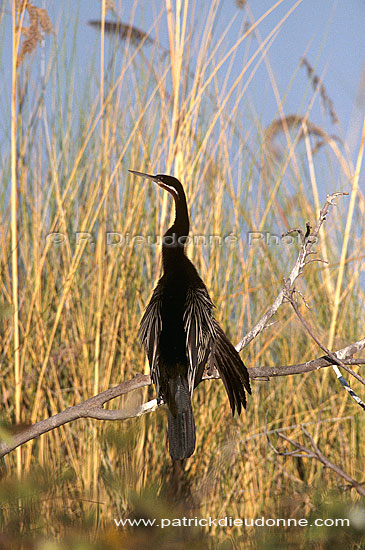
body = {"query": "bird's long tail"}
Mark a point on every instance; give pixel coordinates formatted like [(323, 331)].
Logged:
[(231, 369), (181, 425)]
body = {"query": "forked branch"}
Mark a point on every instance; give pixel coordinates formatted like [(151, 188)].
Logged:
[(301, 451)]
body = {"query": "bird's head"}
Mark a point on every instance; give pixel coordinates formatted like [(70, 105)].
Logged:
[(171, 184)]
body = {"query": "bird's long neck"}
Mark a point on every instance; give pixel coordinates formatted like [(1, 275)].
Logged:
[(173, 244)]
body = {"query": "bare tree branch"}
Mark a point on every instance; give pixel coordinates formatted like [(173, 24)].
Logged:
[(93, 407), (305, 452), (308, 240), (286, 294), (344, 354)]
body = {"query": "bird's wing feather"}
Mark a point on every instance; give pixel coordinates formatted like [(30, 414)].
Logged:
[(231, 369), (200, 332), (149, 333)]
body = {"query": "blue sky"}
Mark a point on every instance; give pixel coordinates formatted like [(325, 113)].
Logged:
[(330, 33)]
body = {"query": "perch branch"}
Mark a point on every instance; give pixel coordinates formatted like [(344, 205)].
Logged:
[(93, 407)]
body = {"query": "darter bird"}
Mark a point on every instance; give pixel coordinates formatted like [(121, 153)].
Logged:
[(181, 335)]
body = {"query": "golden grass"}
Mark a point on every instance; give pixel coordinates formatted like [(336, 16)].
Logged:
[(76, 307), (14, 228), (347, 234)]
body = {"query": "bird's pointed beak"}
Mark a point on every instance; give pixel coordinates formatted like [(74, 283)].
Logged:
[(143, 175)]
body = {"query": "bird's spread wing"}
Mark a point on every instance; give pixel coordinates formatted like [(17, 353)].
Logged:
[(149, 333), (231, 369), (200, 332)]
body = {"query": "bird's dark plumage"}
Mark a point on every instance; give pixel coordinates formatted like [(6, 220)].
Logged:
[(180, 333)]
